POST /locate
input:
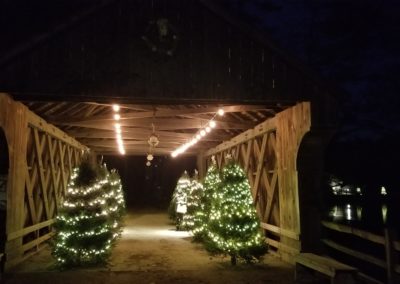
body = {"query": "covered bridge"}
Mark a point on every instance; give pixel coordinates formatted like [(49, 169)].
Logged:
[(170, 65)]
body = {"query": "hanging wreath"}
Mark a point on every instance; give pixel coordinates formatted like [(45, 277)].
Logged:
[(161, 37)]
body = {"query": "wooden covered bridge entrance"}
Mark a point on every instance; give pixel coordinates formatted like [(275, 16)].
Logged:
[(170, 64)]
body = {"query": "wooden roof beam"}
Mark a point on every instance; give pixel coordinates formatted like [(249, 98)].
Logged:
[(158, 114)]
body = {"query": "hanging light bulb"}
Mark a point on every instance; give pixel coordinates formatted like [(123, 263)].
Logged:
[(148, 163), (208, 129), (213, 124), (116, 107), (150, 157), (117, 116), (203, 132), (221, 112)]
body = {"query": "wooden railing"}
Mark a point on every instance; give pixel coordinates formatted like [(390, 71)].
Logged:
[(278, 245), (389, 242)]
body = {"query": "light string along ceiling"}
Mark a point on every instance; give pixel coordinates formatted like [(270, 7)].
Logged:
[(117, 127), (209, 126)]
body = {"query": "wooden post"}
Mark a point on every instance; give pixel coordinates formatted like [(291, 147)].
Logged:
[(391, 256), (201, 165)]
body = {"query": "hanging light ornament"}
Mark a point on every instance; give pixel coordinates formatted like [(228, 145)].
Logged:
[(153, 142)]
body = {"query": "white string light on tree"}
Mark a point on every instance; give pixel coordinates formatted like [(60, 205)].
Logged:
[(200, 134), (117, 127)]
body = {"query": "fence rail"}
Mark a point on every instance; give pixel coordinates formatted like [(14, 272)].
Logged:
[(389, 241)]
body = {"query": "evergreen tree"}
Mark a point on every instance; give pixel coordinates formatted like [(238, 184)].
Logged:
[(234, 227), (88, 221), (178, 205), (115, 201), (211, 183), (193, 202)]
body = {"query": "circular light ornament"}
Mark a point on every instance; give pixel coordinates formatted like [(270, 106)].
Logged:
[(208, 129), (117, 116), (213, 124), (150, 157), (203, 132), (148, 163), (221, 112)]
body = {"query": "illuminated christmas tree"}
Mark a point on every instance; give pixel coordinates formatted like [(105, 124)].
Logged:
[(234, 227), (178, 204), (89, 219), (193, 202), (114, 197), (211, 183)]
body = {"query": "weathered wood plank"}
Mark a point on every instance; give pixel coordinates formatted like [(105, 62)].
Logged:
[(360, 255), (354, 231), (29, 229)]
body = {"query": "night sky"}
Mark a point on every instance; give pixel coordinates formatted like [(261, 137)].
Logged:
[(353, 45)]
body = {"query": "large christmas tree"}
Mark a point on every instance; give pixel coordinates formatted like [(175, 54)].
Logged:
[(193, 202), (89, 219), (234, 227), (211, 183)]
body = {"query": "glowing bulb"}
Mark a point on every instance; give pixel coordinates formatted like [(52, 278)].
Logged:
[(213, 124), (174, 154), (221, 112), (150, 157), (117, 116), (148, 163), (208, 129), (118, 130), (117, 126), (202, 132), (116, 107), (198, 136)]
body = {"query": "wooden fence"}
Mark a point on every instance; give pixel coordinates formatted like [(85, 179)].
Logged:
[(390, 244), (41, 159)]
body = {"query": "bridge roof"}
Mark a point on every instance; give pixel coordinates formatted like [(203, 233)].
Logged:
[(167, 63)]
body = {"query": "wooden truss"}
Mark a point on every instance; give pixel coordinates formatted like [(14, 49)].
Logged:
[(268, 155), (41, 160)]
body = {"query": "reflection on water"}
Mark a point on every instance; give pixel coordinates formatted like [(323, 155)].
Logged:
[(349, 212)]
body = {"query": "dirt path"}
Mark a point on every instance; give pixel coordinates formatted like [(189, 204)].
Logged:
[(152, 251)]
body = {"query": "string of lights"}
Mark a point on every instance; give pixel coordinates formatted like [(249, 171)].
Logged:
[(118, 132), (209, 126)]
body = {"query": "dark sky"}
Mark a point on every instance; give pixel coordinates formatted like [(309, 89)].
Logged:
[(353, 44)]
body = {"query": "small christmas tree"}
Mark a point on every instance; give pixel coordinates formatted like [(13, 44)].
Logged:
[(115, 201), (178, 204), (211, 184), (234, 227), (193, 202), (88, 222)]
